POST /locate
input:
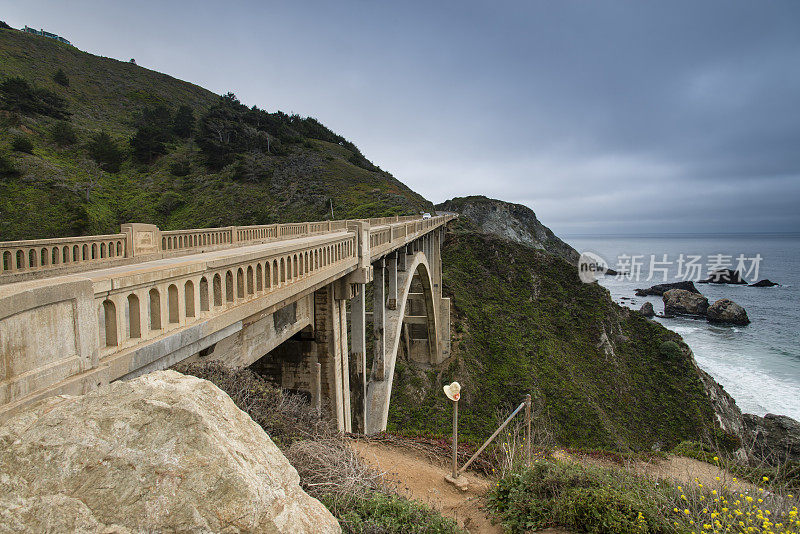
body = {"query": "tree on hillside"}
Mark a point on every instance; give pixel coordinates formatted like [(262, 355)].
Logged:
[(7, 168), (154, 130), (183, 125), (105, 152), (18, 95), (4, 26), (223, 133), (22, 143), (61, 78), (64, 134)]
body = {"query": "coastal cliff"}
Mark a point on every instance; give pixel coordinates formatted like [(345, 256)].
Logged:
[(514, 222), (600, 374)]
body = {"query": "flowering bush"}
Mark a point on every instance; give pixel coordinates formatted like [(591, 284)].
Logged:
[(614, 500)]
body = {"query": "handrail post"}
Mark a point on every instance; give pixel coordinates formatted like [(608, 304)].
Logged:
[(528, 429)]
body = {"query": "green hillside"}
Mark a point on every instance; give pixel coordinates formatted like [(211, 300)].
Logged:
[(601, 375), (271, 167)]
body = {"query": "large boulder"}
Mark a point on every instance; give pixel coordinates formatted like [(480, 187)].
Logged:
[(658, 290), (774, 438), (647, 310), (162, 453), (682, 302), (726, 311)]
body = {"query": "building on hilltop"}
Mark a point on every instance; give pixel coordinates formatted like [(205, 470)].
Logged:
[(43, 33)]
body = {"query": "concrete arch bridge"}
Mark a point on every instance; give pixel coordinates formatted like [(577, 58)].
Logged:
[(288, 300)]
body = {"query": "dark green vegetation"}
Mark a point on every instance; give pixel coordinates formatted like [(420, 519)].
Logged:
[(328, 467), (615, 500), (583, 499), (113, 142), (382, 513), (601, 376)]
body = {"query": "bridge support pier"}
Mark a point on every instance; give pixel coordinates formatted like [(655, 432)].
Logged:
[(330, 333), (358, 359), (391, 272), (379, 321)]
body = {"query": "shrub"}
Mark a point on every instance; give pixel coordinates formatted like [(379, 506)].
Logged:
[(21, 143), (183, 125), (602, 501), (154, 130), (669, 350), (7, 168), (169, 202), (18, 95), (64, 134), (181, 167), (105, 152), (380, 513), (61, 78)]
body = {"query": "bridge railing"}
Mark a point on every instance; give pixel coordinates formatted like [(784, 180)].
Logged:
[(132, 313), (46, 254), (18, 259)]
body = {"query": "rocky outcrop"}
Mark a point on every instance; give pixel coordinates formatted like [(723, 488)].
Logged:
[(682, 302), (773, 438), (514, 222), (658, 290), (726, 311), (764, 283), (162, 453), (724, 276), (647, 310)]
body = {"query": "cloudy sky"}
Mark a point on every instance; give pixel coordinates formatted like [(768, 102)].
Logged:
[(603, 116)]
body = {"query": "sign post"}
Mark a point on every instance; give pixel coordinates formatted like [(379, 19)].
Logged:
[(453, 392)]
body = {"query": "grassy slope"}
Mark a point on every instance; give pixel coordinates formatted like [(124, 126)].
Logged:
[(523, 322), (49, 199)]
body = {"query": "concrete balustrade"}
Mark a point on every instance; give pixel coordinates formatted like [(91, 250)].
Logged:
[(50, 254), (39, 258)]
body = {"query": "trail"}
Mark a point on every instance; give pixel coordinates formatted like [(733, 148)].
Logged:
[(420, 477), (416, 476)]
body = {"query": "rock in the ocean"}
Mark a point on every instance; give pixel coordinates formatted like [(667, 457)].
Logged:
[(659, 289), (764, 283), (162, 453), (682, 302), (647, 310), (728, 312), (776, 438), (724, 276)]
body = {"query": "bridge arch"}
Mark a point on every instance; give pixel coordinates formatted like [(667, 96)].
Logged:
[(379, 391)]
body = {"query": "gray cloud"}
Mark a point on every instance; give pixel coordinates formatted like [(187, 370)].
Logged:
[(604, 117)]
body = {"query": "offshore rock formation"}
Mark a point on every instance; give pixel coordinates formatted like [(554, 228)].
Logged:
[(727, 312), (724, 276), (658, 290), (514, 222), (682, 302), (764, 283), (162, 453)]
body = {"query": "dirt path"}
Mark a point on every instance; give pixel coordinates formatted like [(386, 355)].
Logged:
[(415, 476), (419, 477)]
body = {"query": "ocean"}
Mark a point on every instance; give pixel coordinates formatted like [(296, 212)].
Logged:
[(758, 364)]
